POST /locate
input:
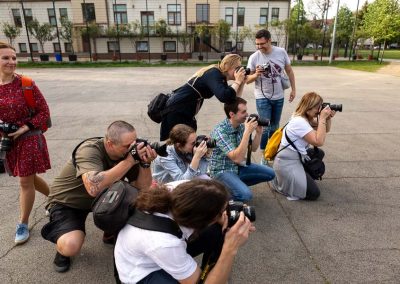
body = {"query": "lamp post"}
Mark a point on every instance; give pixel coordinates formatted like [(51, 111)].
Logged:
[(354, 32), (26, 28), (237, 26), (117, 23), (87, 31), (334, 34), (148, 31), (58, 32), (177, 30)]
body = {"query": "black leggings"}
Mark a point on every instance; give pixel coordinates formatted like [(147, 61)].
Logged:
[(312, 189)]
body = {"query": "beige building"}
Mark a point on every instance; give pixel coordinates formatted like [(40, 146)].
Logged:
[(110, 24)]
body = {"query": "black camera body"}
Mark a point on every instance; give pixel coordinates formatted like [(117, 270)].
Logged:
[(8, 128), (161, 150), (335, 107), (261, 121), (233, 211), (210, 143), (246, 70)]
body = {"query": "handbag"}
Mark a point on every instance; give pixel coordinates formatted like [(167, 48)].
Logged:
[(312, 163), (285, 81)]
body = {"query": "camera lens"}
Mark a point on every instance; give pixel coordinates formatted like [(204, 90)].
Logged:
[(5, 144), (250, 212)]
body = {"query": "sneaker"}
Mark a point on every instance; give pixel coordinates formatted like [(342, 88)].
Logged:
[(21, 234), (61, 263)]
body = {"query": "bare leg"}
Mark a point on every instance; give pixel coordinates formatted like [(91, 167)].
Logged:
[(27, 197), (41, 185), (70, 243)]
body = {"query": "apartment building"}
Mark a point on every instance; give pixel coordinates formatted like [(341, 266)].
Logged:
[(181, 16)]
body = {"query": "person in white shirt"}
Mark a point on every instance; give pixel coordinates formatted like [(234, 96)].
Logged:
[(199, 208), (308, 126)]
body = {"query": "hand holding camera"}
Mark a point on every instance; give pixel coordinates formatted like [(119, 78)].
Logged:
[(145, 152), (200, 150)]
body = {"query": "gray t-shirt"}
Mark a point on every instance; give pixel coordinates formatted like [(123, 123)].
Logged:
[(269, 84), (68, 188)]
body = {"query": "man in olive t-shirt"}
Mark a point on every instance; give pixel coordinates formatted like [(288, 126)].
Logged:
[(99, 163)]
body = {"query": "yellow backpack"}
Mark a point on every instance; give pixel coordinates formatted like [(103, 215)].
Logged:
[(272, 147)]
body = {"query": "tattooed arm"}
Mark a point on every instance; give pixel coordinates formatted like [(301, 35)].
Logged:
[(96, 182)]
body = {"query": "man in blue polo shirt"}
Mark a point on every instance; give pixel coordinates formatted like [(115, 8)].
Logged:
[(228, 160)]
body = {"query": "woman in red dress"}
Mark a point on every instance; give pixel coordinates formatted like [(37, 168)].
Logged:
[(28, 155)]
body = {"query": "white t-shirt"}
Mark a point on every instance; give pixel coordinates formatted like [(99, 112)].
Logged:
[(296, 129), (269, 84), (139, 252)]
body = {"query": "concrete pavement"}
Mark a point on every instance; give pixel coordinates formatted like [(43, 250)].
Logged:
[(350, 235)]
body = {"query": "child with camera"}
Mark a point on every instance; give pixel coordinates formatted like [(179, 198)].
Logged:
[(199, 208), (187, 156)]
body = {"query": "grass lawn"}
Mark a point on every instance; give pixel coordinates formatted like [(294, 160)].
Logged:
[(389, 53), (369, 66)]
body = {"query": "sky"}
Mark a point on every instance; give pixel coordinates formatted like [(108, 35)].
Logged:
[(351, 4)]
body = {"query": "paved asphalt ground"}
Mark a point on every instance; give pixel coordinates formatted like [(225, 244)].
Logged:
[(350, 235)]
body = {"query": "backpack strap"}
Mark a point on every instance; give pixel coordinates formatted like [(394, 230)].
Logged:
[(27, 88), (77, 147), (154, 223), (294, 146)]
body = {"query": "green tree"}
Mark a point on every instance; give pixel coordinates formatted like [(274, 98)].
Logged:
[(10, 31), (223, 32), (135, 32), (42, 32), (382, 21), (162, 30), (93, 31), (244, 33), (202, 31), (344, 28), (185, 38), (66, 32)]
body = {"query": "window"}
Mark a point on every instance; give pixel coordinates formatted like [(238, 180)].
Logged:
[(52, 16), (68, 47), (240, 16), (274, 43), (263, 16), (34, 47), (142, 46), (148, 20), (202, 15), (57, 47), (112, 46), (17, 17), (229, 15), (28, 16), (120, 14), (63, 13), (239, 46), (275, 15), (228, 46), (88, 12), (22, 47), (170, 46), (174, 14)]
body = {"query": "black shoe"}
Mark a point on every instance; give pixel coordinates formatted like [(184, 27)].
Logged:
[(61, 263), (109, 238)]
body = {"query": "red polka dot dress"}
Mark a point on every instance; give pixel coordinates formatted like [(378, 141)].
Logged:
[(29, 154)]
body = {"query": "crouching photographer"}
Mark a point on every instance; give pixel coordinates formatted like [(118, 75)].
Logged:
[(198, 209), (187, 156), (308, 126)]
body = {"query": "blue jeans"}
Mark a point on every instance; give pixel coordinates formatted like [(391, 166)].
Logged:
[(238, 184), (272, 110)]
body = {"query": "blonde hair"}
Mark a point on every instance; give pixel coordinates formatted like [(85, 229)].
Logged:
[(5, 45), (228, 62), (307, 102)]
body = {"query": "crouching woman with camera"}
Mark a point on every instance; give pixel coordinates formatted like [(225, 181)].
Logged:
[(186, 159), (199, 209), (308, 126)]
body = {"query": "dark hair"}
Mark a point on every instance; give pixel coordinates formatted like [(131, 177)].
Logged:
[(263, 34), (233, 107), (194, 204), (6, 45), (180, 134)]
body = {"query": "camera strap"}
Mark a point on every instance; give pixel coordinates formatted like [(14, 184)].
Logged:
[(200, 99)]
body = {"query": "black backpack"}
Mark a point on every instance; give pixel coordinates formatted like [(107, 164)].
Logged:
[(157, 107), (112, 207)]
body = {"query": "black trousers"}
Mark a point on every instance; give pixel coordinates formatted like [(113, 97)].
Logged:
[(313, 191)]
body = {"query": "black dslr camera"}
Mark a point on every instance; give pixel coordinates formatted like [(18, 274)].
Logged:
[(5, 141), (161, 150), (261, 121), (210, 143), (233, 211), (246, 70), (334, 107)]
